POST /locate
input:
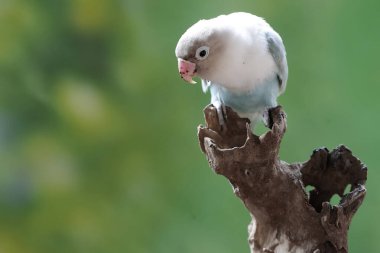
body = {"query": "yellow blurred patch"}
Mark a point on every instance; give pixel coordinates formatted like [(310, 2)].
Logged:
[(82, 106), (90, 15), (16, 20), (9, 242)]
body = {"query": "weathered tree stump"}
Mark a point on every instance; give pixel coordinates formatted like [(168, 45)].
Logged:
[(285, 217)]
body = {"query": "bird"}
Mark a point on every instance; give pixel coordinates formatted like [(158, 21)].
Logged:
[(240, 58)]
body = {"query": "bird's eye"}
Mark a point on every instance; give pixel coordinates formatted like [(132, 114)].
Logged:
[(202, 53)]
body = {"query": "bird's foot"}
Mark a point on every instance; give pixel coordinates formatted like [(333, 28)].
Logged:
[(222, 116)]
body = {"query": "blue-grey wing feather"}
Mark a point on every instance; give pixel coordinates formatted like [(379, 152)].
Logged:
[(277, 50)]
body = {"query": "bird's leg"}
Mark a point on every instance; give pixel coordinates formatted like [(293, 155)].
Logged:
[(221, 110), (224, 109), (267, 119), (222, 114)]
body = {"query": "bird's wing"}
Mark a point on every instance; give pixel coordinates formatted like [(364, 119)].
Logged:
[(277, 50), (205, 85)]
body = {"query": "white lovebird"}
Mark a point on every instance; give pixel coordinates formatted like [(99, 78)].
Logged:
[(240, 58)]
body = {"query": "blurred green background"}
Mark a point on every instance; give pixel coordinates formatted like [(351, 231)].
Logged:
[(98, 146)]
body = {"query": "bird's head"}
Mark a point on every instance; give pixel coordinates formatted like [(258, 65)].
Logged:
[(198, 50)]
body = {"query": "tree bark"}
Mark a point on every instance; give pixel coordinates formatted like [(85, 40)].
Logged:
[(285, 217)]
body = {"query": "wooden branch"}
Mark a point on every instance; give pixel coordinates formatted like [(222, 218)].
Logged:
[(285, 218)]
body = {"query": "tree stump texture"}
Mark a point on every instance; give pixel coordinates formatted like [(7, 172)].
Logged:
[(285, 217)]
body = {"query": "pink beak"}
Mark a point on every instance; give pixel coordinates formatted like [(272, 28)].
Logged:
[(187, 70)]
